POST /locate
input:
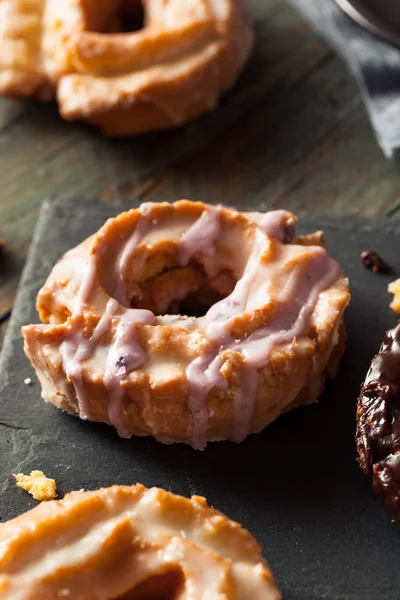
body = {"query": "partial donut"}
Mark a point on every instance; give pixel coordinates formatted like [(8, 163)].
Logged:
[(378, 422), (394, 288), (189, 322), (173, 69), (130, 543)]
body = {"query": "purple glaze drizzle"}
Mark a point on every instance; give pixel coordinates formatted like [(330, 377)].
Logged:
[(137, 235), (275, 225), (71, 353), (125, 355), (76, 348), (218, 315), (86, 286), (244, 402), (295, 306), (200, 237)]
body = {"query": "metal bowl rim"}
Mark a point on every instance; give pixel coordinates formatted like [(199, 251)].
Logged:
[(369, 21)]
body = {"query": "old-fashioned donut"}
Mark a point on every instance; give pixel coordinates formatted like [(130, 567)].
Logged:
[(120, 348), (173, 69), (130, 543)]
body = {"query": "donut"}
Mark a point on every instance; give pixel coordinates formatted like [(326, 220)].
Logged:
[(378, 422), (125, 82), (394, 288), (189, 322), (130, 543)]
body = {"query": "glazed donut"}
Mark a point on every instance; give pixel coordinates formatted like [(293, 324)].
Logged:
[(130, 543), (120, 348), (187, 54)]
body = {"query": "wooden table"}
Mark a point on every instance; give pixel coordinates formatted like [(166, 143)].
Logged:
[(293, 133)]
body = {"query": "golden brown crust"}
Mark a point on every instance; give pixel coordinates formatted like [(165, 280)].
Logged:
[(127, 542), (171, 71), (394, 288), (156, 395), (38, 485)]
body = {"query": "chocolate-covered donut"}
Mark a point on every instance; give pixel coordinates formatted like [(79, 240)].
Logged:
[(378, 422)]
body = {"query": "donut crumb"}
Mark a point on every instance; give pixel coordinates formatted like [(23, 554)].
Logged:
[(38, 485)]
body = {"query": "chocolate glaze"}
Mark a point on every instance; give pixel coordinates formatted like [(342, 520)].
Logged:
[(378, 422), (372, 260)]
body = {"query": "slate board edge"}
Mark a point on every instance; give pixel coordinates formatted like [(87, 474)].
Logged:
[(47, 206), (31, 260)]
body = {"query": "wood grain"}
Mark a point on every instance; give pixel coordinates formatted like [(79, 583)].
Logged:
[(293, 132)]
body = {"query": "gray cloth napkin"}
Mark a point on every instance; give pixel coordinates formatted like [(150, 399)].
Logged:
[(375, 64)]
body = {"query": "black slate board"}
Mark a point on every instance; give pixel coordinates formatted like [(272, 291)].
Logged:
[(296, 486)]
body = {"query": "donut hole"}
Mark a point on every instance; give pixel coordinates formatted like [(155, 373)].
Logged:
[(158, 273), (186, 291), (118, 16), (131, 15), (166, 586)]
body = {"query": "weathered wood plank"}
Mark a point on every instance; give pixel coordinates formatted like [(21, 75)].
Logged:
[(9, 112), (43, 156), (258, 156), (346, 173)]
